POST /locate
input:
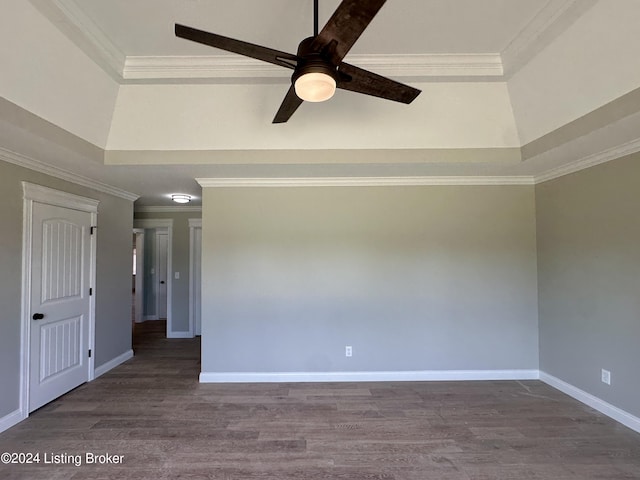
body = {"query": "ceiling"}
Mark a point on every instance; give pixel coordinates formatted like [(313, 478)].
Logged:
[(145, 28), (126, 37), (454, 50)]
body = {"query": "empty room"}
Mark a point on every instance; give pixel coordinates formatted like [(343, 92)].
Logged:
[(291, 239)]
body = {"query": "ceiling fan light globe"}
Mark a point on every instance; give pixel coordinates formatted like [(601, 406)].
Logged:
[(315, 87)]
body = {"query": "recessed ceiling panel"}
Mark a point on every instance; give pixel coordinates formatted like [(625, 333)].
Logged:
[(145, 27)]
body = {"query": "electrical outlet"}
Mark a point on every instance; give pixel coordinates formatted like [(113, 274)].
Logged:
[(606, 376), (348, 351)]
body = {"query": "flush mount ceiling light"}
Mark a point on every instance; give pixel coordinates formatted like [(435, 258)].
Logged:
[(181, 198)]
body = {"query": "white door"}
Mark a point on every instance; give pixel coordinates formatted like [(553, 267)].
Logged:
[(162, 243), (60, 303)]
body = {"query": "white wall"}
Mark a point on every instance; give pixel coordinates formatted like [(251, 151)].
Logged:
[(238, 117), (46, 74), (592, 63)]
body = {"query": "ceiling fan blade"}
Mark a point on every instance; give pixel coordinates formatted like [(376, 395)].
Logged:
[(363, 81), (247, 49), (288, 107), (345, 27)]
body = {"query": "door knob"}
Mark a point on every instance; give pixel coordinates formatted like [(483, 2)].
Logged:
[(162, 282), (38, 316)]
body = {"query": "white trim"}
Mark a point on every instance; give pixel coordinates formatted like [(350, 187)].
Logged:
[(402, 376), (38, 166), (362, 181), (25, 329), (11, 419), (594, 402), (179, 335), (139, 282), (551, 21), (590, 161), (153, 223), (113, 363), (157, 260), (92, 298), (41, 194), (168, 224), (33, 193), (169, 209), (194, 224), (432, 65), (235, 67), (83, 31)]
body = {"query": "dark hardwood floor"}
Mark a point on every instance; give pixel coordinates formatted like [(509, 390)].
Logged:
[(153, 412)]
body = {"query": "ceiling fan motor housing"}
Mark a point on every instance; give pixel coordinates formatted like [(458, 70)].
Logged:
[(312, 61)]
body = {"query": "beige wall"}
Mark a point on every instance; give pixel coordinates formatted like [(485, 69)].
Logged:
[(588, 229), (414, 278), (113, 272)]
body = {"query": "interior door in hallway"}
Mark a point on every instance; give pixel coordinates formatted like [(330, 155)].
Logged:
[(162, 245), (60, 302)]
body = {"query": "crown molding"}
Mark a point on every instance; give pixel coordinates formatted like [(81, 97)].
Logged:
[(38, 166), (110, 53), (362, 181), (237, 67), (604, 156), (40, 193), (554, 18), (69, 17), (550, 22), (166, 209)]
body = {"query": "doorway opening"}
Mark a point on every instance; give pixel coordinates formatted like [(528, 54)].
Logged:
[(152, 279)]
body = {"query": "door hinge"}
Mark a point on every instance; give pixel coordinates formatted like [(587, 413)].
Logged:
[(90, 291), (89, 353), (92, 229)]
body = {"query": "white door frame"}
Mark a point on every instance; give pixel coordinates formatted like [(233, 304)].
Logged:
[(157, 261), (194, 223), (139, 286), (168, 224), (33, 193)]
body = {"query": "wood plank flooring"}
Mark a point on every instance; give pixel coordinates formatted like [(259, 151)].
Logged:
[(153, 412)]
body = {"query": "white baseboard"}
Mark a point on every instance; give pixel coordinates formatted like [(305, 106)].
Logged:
[(179, 335), (408, 376), (11, 419), (113, 363), (594, 402)]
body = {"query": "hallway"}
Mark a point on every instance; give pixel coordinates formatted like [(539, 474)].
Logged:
[(153, 413)]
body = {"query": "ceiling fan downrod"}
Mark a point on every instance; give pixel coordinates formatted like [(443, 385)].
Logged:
[(315, 18)]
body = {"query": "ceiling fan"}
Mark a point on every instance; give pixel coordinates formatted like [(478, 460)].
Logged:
[(317, 67)]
